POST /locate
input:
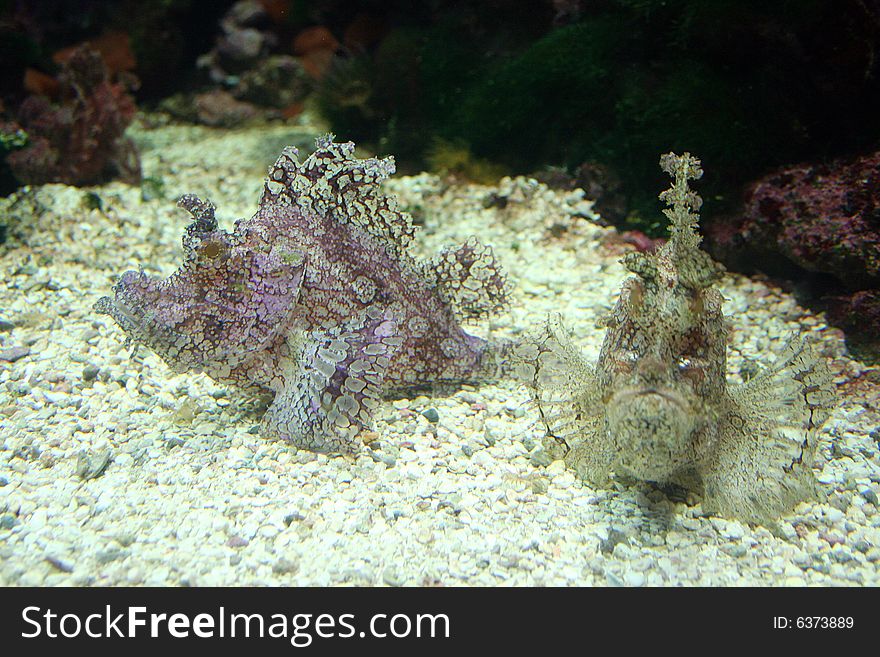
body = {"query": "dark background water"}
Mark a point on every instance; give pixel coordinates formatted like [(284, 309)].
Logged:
[(779, 98)]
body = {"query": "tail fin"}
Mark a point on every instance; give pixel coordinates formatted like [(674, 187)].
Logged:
[(470, 280)]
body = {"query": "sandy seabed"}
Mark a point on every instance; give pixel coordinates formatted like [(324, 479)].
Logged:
[(115, 471)]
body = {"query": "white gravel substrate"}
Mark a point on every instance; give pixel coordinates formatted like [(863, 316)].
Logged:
[(192, 495)]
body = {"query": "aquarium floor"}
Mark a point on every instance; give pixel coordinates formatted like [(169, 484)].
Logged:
[(114, 470)]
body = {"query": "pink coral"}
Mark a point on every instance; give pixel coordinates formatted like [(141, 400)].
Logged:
[(79, 140), (823, 217), (819, 217)]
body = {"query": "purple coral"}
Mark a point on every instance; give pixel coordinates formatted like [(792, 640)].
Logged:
[(79, 140), (822, 217), (316, 298)]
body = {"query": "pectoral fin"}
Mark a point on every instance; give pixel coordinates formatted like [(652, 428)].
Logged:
[(332, 384), (762, 465), (564, 389)]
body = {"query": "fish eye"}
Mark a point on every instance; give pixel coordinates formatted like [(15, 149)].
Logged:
[(691, 368), (211, 249)]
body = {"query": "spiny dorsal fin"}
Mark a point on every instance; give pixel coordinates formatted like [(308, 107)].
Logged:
[(683, 216), (332, 182), (685, 203), (693, 267)]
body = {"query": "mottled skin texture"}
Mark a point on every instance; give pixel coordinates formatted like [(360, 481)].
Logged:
[(657, 405), (317, 299)]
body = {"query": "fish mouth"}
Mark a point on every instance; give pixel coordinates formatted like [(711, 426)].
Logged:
[(630, 395), (129, 317), (131, 307)]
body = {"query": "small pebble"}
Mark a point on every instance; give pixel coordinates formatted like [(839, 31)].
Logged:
[(392, 577), (634, 578), (90, 373), (733, 530), (540, 458), (834, 515), (556, 468), (91, 465), (615, 536), (382, 457), (110, 555), (89, 334), (13, 354), (736, 550), (431, 415), (539, 486), (613, 580), (285, 567), (237, 542), (61, 565)]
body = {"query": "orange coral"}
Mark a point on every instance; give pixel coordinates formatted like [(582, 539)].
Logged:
[(114, 48), (315, 46), (37, 82), (277, 10)]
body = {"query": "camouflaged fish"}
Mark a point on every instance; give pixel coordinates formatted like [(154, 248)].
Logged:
[(657, 406), (317, 299)]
